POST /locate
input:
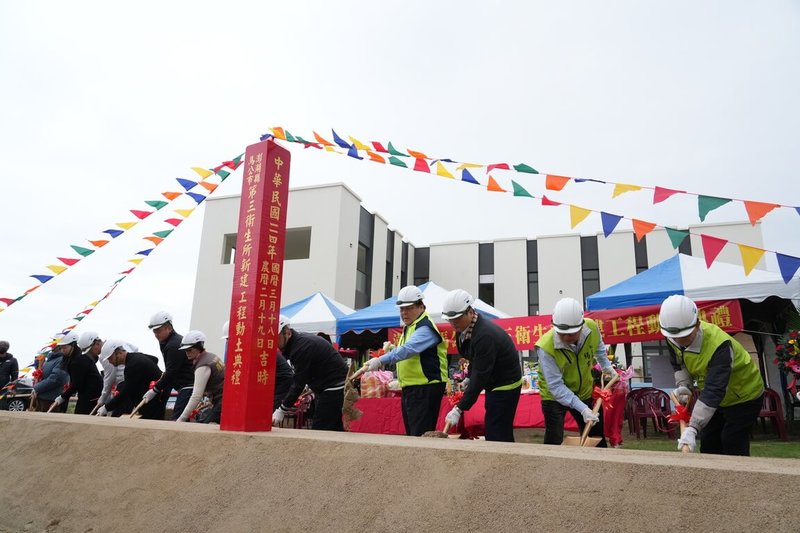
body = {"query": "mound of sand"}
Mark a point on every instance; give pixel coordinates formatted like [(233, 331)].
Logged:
[(78, 473)]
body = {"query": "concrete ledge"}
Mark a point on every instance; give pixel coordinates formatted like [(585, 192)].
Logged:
[(78, 473)]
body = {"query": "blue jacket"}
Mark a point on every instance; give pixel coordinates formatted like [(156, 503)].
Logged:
[(54, 378)]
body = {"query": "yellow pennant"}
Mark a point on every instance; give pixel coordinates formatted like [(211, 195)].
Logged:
[(441, 170), (184, 212), (359, 144), (278, 133), (577, 215), (204, 172), (750, 257), (621, 188), (136, 261), (126, 225), (58, 269), (462, 166)]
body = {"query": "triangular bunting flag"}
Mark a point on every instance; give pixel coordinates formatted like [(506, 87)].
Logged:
[(712, 246), (184, 212), (210, 187), (519, 190), (67, 260), (341, 142), (174, 221), (469, 178), (223, 174), (642, 228), (502, 166), (7, 301), (621, 188), (196, 197), (127, 271), (321, 140), (788, 265), (548, 201), (494, 186), (135, 262), (163, 233), (577, 215), (609, 222), (397, 162), (155, 240), (395, 151), (358, 144), (522, 167), (126, 225), (417, 155), (706, 204), (353, 152), (375, 157), (420, 165), (289, 136), (379, 147), (141, 215), (278, 133), (660, 194), (78, 318), (441, 170), (99, 244), (676, 236), (145, 252), (156, 204), (750, 257), (171, 195), (42, 279), (555, 183), (757, 210), (82, 251), (186, 184), (114, 233), (203, 172), (58, 269), (462, 166)]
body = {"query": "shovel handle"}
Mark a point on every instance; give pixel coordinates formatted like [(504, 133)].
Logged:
[(357, 373), (685, 447), (596, 409), (52, 406), (446, 428), (96, 407), (141, 404)]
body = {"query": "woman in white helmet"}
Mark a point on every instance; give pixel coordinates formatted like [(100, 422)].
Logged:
[(731, 388), (567, 353), (209, 377)]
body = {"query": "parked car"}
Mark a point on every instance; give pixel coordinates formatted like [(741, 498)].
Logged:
[(16, 396)]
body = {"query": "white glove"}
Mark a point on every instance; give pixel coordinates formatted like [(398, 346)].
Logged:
[(59, 400), (388, 346), (608, 374), (101, 411), (464, 384), (374, 364), (278, 416), (684, 395), (149, 395), (689, 438), (589, 416), (453, 417)]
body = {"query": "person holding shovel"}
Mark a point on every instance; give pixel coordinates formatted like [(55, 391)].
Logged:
[(421, 358), (731, 387), (494, 366), (55, 377), (567, 353), (140, 370)]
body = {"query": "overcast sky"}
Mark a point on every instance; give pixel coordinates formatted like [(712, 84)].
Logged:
[(102, 107)]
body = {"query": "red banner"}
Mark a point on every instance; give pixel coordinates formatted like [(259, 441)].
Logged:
[(256, 297), (618, 326)]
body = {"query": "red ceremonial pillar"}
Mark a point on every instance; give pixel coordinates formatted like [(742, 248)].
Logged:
[(256, 297)]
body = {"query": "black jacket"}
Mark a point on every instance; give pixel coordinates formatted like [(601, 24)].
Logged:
[(316, 364), (140, 370), (84, 378), (493, 360), (178, 370), (9, 370)]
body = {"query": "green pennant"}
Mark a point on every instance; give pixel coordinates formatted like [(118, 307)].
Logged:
[(21, 297), (706, 204), (522, 167), (289, 137), (163, 234), (85, 252), (301, 140), (394, 151), (519, 191), (393, 160), (223, 174), (78, 318), (158, 204), (238, 158), (676, 236), (120, 279)]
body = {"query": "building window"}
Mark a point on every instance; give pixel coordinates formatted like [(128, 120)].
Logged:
[(649, 351), (590, 266), (486, 292), (640, 252), (422, 262), (387, 290), (229, 249), (366, 228), (298, 243), (533, 278), (404, 266)]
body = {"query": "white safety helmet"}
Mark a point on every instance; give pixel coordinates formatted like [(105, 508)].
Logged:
[(283, 322), (225, 327), (678, 316), (111, 346), (69, 338), (456, 304), (567, 316), (159, 319), (408, 296), (192, 338), (87, 339)]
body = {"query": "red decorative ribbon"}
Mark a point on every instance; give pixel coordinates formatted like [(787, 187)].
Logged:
[(605, 395), (681, 414), (455, 398)]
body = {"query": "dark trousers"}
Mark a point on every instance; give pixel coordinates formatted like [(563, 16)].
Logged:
[(181, 401), (728, 431), (501, 406), (328, 410), (420, 405), (554, 414), (84, 406)]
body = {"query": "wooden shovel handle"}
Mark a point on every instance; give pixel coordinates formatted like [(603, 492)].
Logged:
[(141, 404), (357, 373), (596, 409), (52, 406), (685, 447), (446, 428)]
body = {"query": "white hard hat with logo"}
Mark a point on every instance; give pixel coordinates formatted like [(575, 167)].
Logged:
[(408, 295), (111, 346), (69, 338), (456, 304), (567, 316), (87, 339), (678, 316), (192, 338), (159, 319)]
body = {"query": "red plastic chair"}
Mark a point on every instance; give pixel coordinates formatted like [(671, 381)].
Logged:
[(772, 409), (651, 404)]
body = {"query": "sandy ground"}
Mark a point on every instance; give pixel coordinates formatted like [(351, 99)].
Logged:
[(76, 473)]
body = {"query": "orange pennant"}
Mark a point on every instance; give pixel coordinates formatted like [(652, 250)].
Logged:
[(642, 228), (417, 155), (375, 157), (278, 133), (757, 210), (555, 183), (99, 244), (321, 140), (210, 187), (171, 195), (155, 240), (494, 186)]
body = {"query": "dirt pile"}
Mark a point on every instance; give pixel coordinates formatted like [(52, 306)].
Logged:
[(74, 473)]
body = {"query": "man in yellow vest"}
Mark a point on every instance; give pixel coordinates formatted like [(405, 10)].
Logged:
[(421, 358), (730, 382), (567, 353)]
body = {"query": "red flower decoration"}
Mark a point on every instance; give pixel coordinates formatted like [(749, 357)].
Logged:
[(786, 352)]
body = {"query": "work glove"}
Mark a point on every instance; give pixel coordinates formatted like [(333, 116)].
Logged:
[(684, 395), (453, 417), (689, 438), (277, 416), (149, 395), (589, 416), (388, 346), (58, 401), (374, 364), (101, 411), (464, 384)]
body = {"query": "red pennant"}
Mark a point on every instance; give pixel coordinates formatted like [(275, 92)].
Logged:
[(68, 261), (420, 165), (661, 194), (548, 201), (379, 147), (127, 271), (493, 166), (7, 301), (712, 246), (174, 221), (141, 215)]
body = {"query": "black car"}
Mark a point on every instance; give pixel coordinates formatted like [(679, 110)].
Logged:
[(16, 396)]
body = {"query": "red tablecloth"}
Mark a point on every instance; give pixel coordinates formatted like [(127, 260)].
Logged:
[(383, 415)]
